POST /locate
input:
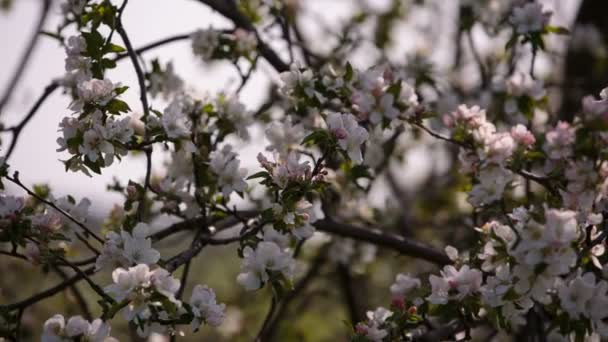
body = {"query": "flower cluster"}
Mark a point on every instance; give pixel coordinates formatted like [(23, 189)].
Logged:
[(56, 329), (268, 261), (128, 249), (212, 44), (148, 298), (94, 136), (53, 233)]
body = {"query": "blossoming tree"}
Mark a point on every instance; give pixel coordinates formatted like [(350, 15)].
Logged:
[(517, 215)]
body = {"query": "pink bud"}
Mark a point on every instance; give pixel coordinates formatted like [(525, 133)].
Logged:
[(398, 302), (340, 133), (361, 329), (132, 191)]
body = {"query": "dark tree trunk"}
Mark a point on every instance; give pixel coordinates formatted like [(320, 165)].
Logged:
[(583, 72)]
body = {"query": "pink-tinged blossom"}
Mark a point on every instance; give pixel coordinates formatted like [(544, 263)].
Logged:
[(559, 141), (522, 135), (404, 284), (499, 147), (454, 284), (349, 134), (372, 329), (596, 108)]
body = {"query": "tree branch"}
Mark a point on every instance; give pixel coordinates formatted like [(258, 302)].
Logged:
[(403, 245), (228, 9)]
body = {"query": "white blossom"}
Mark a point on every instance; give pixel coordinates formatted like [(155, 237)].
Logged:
[(204, 43), (284, 135), (257, 263), (529, 18), (225, 164), (404, 284), (205, 307), (464, 281), (349, 134), (492, 183), (166, 82)]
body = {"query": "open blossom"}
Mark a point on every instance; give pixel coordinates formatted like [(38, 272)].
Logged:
[(287, 169), (497, 286), (596, 108), (246, 41), (73, 6), (138, 246), (385, 109), (165, 284), (10, 205), (272, 235), (529, 18), (549, 243), (499, 147), (575, 296), (205, 307), (469, 117), (94, 144), (372, 328), (77, 66), (454, 284), (127, 249), (522, 84), (282, 136), (404, 284), (295, 79), (76, 329), (259, 262), (128, 280), (226, 166), (165, 82), (349, 134), (492, 183), (234, 111), (175, 119), (94, 91), (522, 135), (559, 141), (300, 220), (204, 43)]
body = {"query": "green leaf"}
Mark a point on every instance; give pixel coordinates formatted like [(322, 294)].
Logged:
[(94, 42), (120, 90), (525, 104), (116, 106), (93, 166), (108, 63), (512, 41), (261, 174), (557, 30), (395, 89), (348, 76), (316, 137), (114, 48)]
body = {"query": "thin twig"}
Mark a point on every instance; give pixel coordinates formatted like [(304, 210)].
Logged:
[(12, 84), (49, 292), (15, 180), (144, 102)]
